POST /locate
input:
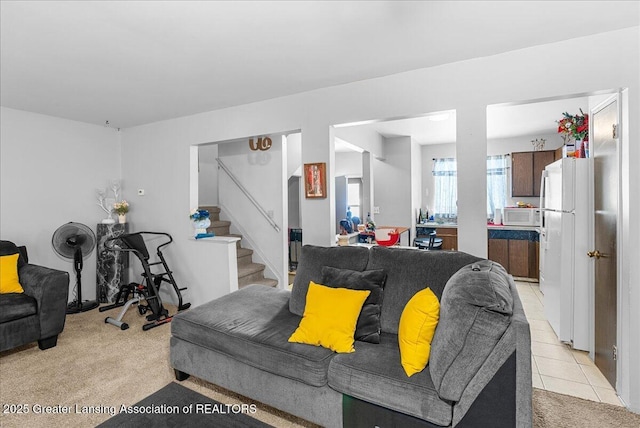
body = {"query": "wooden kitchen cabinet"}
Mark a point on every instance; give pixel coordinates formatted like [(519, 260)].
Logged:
[(499, 251), (526, 171), (449, 237), (518, 256)]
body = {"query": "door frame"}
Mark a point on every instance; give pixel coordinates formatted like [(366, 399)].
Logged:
[(616, 96)]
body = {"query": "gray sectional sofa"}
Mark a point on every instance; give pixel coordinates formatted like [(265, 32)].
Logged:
[(479, 373)]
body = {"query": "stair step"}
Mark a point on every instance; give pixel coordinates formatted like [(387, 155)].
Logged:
[(267, 282), (244, 256), (214, 212), (250, 273), (219, 227), (250, 269)]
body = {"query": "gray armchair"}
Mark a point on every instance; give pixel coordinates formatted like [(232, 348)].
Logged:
[(40, 312)]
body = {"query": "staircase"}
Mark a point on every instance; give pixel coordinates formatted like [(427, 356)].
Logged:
[(248, 272)]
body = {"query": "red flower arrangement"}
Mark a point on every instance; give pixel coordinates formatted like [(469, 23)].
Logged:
[(575, 126)]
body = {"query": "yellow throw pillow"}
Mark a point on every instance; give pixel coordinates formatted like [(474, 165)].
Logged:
[(417, 326), (9, 282), (330, 317)]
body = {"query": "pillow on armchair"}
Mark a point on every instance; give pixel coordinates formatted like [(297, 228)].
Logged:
[(9, 280)]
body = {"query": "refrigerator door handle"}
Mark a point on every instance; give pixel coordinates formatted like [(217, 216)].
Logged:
[(543, 179)]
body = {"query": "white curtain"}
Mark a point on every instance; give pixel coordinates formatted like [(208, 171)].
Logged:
[(446, 187), (497, 169)]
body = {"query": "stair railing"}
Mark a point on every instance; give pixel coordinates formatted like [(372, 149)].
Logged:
[(248, 195)]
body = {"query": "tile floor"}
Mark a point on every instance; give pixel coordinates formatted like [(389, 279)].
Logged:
[(555, 366)]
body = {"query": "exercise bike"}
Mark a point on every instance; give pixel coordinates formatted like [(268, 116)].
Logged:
[(148, 289)]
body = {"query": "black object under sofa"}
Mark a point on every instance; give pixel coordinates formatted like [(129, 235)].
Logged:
[(40, 312), (479, 373)]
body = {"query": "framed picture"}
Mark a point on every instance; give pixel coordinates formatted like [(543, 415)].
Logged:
[(315, 180)]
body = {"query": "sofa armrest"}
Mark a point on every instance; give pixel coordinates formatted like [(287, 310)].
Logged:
[(508, 367), (50, 288)]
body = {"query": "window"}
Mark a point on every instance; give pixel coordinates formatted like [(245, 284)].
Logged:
[(446, 187), (497, 167), (354, 197)]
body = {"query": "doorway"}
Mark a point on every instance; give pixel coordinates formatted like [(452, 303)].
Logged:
[(606, 204)]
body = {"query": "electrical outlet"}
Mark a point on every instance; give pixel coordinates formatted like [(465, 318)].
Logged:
[(140, 192), (376, 210)]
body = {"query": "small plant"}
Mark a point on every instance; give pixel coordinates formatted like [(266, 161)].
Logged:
[(121, 208)]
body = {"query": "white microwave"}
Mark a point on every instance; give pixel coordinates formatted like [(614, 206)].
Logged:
[(521, 216)]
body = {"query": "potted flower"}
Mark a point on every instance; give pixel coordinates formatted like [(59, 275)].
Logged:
[(121, 208), (575, 127), (200, 220)]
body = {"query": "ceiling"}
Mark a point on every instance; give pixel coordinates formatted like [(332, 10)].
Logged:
[(132, 63)]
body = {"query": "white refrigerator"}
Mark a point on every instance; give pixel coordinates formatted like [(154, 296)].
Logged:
[(565, 281)]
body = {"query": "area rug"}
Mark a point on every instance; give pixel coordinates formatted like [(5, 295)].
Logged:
[(177, 406), (553, 410)]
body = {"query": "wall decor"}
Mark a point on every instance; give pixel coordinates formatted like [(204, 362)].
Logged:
[(538, 144), (261, 144), (315, 180)]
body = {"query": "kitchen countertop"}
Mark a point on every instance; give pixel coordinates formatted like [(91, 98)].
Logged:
[(434, 224), (490, 226)]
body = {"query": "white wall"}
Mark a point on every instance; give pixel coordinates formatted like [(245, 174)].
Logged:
[(294, 172), (467, 86), (50, 169), (504, 146), (392, 191), (349, 164), (207, 175), (294, 154), (416, 184), (367, 139), (295, 192)]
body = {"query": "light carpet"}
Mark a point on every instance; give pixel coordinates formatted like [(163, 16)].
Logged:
[(96, 365)]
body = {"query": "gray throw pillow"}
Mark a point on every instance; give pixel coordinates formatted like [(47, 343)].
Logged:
[(368, 325), (312, 259), (475, 311)]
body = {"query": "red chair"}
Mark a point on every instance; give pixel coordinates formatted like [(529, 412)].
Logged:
[(387, 237)]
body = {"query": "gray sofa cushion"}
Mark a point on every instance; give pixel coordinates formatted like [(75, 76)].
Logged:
[(475, 311), (373, 373), (312, 259), (253, 326), (14, 306), (409, 271), (368, 325)]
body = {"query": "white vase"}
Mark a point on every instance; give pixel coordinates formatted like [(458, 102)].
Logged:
[(122, 218), (200, 226)]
